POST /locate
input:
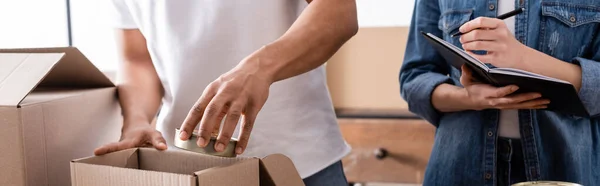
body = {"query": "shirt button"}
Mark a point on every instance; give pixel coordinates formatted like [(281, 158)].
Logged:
[(572, 18), (488, 176), (492, 7), (490, 133), (521, 2)]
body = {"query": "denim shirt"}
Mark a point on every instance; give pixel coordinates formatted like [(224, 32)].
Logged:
[(556, 146)]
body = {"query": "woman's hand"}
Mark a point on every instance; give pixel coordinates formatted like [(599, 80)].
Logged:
[(492, 35), (484, 96)]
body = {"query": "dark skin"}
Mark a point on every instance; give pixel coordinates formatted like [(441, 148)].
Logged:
[(322, 28)]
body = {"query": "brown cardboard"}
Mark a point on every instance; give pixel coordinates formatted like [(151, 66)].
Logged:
[(149, 167), (54, 106), (363, 74)]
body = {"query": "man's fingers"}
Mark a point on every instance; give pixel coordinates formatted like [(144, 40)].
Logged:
[(478, 35), (158, 141), (531, 104), (113, 147), (195, 114), (502, 92), (513, 100), (247, 125), (231, 120), (480, 22), (519, 98), (485, 58), (483, 45), (466, 77), (213, 115)]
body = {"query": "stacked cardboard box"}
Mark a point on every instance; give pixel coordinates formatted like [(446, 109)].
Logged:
[(54, 106)]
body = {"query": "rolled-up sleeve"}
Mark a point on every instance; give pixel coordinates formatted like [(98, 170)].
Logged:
[(120, 16), (423, 68), (589, 92)]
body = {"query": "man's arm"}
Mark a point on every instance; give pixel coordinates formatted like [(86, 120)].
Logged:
[(140, 90), (323, 27), (140, 93)]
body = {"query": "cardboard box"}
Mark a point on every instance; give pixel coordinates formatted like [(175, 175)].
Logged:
[(363, 74), (149, 167), (54, 106)]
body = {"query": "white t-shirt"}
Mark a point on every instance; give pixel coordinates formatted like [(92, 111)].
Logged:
[(192, 42), (509, 119)]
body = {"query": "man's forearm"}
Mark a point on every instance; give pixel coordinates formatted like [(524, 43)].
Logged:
[(540, 63), (449, 98), (139, 87), (323, 27), (140, 93)]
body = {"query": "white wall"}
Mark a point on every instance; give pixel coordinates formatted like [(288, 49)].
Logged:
[(33, 23), (92, 33), (42, 23), (384, 13)]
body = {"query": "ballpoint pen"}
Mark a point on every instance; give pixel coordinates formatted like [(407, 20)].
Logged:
[(502, 17)]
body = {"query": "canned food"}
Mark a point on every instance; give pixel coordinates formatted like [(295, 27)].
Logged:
[(190, 145), (545, 183)]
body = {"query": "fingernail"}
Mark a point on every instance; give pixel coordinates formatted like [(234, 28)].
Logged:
[(161, 145), (201, 142), (238, 150), (514, 88), (183, 135), (220, 147)]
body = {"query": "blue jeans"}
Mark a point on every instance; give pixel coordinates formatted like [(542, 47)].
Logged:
[(511, 165), (330, 176)]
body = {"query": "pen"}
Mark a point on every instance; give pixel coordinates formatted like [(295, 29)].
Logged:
[(502, 17)]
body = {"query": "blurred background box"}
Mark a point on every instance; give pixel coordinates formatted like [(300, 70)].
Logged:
[(389, 144)]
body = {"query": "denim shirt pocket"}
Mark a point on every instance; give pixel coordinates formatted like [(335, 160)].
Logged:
[(449, 23), (567, 29), (452, 19)]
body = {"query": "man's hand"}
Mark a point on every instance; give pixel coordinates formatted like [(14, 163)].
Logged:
[(503, 50), (239, 93), (321, 29), (484, 96), (492, 35), (140, 135)]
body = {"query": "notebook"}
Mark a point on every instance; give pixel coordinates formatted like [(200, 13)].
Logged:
[(562, 94)]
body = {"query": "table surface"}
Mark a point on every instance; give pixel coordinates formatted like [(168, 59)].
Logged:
[(375, 113)]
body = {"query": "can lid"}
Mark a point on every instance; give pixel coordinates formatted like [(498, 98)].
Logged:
[(546, 183), (190, 145)]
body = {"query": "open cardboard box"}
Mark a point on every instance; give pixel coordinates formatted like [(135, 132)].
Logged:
[(149, 167), (55, 106)]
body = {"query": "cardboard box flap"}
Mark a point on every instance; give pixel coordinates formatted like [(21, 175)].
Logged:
[(282, 171), (74, 70), (126, 158), (22, 70), (181, 162), (21, 73), (243, 173)]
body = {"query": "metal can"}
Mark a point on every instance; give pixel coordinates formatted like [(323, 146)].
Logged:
[(190, 145), (545, 183)]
